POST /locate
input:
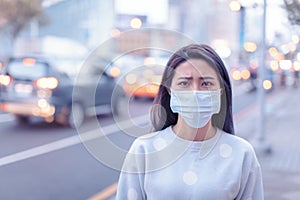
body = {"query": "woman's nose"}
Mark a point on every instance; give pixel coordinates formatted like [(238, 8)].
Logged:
[(196, 86)]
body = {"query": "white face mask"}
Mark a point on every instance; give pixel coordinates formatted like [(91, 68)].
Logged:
[(196, 107)]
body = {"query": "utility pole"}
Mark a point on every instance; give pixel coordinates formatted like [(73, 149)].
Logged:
[(261, 145)]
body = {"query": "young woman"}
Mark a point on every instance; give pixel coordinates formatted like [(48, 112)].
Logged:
[(193, 153)]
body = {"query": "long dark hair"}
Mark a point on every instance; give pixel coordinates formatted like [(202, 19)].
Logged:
[(161, 113)]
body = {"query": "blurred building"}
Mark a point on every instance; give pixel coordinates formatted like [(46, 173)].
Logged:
[(213, 23), (93, 22), (206, 21), (88, 22)]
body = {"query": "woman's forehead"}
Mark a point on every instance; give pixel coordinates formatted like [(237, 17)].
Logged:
[(194, 67)]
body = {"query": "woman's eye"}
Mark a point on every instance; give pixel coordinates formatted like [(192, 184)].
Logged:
[(184, 83), (207, 84)]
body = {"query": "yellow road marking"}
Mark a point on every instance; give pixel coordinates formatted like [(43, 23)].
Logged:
[(107, 192)]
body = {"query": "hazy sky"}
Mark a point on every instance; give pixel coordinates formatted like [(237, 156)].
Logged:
[(155, 10)]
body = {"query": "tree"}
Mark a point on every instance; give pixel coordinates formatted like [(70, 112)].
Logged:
[(293, 9), (15, 15)]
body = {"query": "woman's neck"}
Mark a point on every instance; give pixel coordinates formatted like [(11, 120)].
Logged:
[(194, 134)]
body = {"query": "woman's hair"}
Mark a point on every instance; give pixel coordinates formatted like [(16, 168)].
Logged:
[(161, 113)]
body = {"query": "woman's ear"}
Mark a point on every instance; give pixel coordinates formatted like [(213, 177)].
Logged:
[(222, 91)]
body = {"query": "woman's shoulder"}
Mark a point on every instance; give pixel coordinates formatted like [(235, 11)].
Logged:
[(237, 142), (239, 148), (151, 141)]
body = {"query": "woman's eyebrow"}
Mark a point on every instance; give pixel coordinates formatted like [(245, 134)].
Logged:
[(201, 78), (207, 78), (185, 77)]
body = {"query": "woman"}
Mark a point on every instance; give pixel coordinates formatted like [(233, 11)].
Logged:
[(193, 154)]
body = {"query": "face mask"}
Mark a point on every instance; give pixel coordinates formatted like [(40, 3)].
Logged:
[(196, 107)]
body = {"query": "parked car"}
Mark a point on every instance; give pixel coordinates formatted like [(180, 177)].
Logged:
[(51, 89)]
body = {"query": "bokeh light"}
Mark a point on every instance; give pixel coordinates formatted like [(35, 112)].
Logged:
[(236, 74), (115, 71), (267, 84), (274, 65), (245, 74), (250, 47), (235, 6), (136, 23), (131, 78), (296, 66)]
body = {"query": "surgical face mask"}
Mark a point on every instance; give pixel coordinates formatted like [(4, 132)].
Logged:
[(196, 107)]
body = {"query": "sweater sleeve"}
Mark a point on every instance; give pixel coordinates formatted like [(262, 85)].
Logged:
[(251, 185), (131, 180)]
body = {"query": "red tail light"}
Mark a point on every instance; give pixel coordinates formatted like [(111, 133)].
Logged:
[(5, 80), (47, 83), (28, 61)]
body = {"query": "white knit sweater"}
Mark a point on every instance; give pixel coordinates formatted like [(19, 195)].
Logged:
[(164, 166)]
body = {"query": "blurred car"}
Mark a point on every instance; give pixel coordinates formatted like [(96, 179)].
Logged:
[(144, 79), (35, 86)]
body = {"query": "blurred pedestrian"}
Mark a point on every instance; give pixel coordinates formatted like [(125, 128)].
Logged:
[(253, 78), (282, 79), (194, 153), (296, 78)]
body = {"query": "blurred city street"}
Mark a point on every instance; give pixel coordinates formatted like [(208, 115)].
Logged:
[(86, 58), (280, 168)]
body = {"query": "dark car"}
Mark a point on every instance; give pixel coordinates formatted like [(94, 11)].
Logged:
[(36, 86)]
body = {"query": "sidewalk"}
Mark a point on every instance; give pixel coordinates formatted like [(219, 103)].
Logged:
[(281, 168)]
